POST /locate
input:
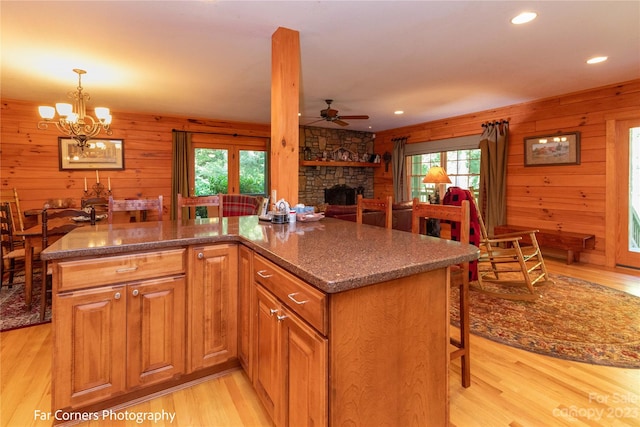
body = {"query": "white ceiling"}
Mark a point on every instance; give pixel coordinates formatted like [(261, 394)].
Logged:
[(212, 59)]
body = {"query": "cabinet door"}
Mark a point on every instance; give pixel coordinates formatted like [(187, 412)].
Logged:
[(266, 371), (304, 360), (213, 299), (246, 315), (89, 355), (155, 330)]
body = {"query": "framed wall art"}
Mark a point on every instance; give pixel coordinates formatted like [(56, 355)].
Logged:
[(99, 154), (552, 150)]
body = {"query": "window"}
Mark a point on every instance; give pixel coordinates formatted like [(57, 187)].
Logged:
[(225, 164), (462, 164)]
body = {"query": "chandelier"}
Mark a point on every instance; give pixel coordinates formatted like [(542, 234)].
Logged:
[(73, 119)]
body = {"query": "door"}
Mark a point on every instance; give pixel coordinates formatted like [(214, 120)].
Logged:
[(90, 327), (212, 305), (155, 330), (266, 372), (628, 190), (304, 354)]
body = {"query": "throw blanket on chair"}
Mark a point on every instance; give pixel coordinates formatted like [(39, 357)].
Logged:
[(455, 196), (239, 205)]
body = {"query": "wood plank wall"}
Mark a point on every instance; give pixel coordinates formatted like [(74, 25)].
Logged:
[(30, 156), (571, 198)]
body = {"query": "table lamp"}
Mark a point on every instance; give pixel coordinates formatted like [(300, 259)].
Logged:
[(437, 175)]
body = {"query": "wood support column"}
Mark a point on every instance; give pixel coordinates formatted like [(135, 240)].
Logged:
[(285, 89)]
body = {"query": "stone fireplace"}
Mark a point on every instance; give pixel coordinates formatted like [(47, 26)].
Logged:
[(315, 180)]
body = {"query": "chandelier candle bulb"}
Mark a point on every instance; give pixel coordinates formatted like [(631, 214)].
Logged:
[(85, 183), (97, 178), (109, 183)]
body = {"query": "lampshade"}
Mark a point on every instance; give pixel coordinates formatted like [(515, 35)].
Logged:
[(437, 175)]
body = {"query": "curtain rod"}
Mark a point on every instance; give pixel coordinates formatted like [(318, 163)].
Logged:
[(398, 138), (220, 133), (495, 122)]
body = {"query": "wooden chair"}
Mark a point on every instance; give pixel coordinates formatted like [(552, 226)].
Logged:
[(141, 206), (100, 204), (507, 269), (385, 206), (11, 252), (453, 216), (11, 196), (192, 202), (51, 227), (238, 205)]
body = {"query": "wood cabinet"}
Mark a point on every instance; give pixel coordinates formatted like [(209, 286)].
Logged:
[(116, 338), (212, 307), (290, 369), (90, 346), (246, 312), (155, 330), (374, 355)]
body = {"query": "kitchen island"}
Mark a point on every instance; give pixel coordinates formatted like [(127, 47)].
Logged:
[(335, 323)]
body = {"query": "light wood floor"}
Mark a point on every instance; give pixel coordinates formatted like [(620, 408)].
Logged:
[(510, 387)]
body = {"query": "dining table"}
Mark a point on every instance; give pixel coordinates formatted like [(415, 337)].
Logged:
[(56, 228)]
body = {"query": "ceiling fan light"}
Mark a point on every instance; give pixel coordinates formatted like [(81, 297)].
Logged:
[(46, 112), (64, 109)]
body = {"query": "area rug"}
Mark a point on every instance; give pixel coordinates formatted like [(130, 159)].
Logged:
[(13, 310), (573, 320)]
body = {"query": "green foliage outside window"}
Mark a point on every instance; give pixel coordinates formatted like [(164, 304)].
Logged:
[(211, 171)]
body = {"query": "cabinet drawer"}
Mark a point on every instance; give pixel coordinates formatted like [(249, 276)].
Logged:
[(308, 302), (118, 269)]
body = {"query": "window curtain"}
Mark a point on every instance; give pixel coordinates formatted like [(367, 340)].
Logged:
[(493, 173), (397, 165), (181, 150)]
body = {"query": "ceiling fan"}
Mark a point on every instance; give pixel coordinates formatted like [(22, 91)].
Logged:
[(331, 115)]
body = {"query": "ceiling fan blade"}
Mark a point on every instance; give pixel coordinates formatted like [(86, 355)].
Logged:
[(340, 122), (315, 121), (361, 117)]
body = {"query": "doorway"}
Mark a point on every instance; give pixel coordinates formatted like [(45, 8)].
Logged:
[(627, 144)]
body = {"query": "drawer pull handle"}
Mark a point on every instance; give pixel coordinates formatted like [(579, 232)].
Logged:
[(281, 318), (292, 297), (117, 295), (135, 292), (273, 311), (126, 269), (262, 274), (200, 255)]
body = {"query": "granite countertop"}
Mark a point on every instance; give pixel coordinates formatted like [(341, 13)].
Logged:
[(333, 255)]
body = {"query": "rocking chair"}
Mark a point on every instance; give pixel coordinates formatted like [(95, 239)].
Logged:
[(506, 269)]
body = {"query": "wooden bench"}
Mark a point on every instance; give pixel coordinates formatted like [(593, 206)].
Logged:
[(573, 243)]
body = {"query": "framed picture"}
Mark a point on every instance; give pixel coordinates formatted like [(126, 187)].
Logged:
[(551, 150), (98, 154)]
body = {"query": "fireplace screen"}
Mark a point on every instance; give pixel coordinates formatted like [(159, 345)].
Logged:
[(340, 195)]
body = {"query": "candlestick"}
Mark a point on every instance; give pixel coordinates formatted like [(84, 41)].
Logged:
[(109, 183), (97, 177), (85, 183)]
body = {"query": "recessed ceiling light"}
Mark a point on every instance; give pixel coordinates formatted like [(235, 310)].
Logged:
[(524, 17), (398, 112), (596, 59)]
